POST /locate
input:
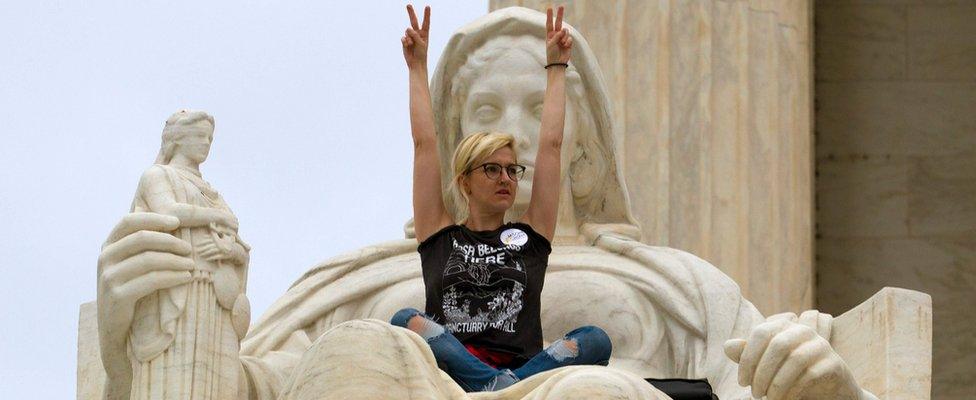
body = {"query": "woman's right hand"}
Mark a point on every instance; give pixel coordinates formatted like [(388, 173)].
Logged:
[(415, 39)]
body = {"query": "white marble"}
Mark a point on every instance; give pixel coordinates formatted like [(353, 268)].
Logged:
[(171, 304), (668, 312), (892, 329)]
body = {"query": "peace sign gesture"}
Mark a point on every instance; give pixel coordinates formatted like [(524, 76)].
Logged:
[(559, 44), (415, 39)]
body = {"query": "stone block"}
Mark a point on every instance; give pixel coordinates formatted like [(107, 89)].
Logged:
[(867, 197), (873, 335), (942, 196), (941, 42), (894, 2), (858, 119), (850, 269), (91, 374), (860, 42), (895, 118)]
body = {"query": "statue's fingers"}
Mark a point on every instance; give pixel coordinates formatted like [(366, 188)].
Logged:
[(733, 349), (755, 347), (142, 241), (152, 282), (145, 263), (209, 253), (786, 316), (799, 360), (825, 325), (780, 347), (135, 222), (808, 318), (819, 371)]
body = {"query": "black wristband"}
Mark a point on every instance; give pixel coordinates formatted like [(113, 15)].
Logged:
[(555, 64)]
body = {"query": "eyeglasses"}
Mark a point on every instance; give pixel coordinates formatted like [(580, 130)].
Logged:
[(494, 170)]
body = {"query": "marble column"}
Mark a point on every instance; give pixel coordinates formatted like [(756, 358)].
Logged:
[(715, 98)]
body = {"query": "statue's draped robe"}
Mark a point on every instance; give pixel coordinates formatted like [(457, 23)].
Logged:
[(682, 308), (178, 354)]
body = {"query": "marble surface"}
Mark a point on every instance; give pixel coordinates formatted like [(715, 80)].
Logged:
[(940, 42), (715, 102), (896, 147), (861, 42), (868, 336), (90, 374)]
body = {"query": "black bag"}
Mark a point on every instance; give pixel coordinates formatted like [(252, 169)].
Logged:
[(684, 389)]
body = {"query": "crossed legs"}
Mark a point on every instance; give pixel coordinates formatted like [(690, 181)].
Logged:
[(586, 345)]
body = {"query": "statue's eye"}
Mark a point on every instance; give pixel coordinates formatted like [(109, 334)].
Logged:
[(486, 113)]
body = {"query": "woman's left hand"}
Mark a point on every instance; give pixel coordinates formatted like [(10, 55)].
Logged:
[(559, 44)]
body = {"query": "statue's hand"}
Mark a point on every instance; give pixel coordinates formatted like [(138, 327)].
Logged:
[(816, 320), (137, 259), (786, 360)]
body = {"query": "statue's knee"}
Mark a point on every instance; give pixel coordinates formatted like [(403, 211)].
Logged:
[(593, 344), (402, 317)]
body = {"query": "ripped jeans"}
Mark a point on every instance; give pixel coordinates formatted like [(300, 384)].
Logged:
[(586, 345)]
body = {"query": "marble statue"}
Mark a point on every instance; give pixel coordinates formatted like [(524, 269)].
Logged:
[(668, 313), (183, 340)]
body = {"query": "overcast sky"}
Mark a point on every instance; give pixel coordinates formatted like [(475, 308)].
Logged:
[(311, 149)]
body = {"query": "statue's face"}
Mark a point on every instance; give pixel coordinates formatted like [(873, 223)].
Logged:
[(195, 144), (506, 96)]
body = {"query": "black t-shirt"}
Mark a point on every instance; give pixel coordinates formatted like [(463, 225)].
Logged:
[(485, 287)]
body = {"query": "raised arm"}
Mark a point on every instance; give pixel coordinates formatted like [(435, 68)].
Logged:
[(429, 213), (544, 204)]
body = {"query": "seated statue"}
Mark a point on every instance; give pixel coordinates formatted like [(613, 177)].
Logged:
[(668, 313)]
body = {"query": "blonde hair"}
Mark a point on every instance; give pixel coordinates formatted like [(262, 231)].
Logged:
[(471, 152)]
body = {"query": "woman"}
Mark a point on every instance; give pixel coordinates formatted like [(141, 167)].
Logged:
[(483, 278)]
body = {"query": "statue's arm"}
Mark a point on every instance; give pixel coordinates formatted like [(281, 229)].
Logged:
[(156, 190)]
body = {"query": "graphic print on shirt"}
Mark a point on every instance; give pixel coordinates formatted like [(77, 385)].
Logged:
[(482, 288)]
